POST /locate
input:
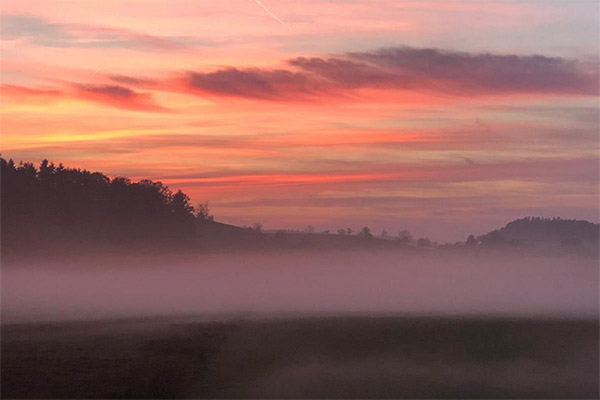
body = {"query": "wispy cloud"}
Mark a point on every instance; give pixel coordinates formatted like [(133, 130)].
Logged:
[(129, 80), (40, 32), (110, 95)]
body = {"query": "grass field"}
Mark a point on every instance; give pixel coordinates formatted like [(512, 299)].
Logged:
[(316, 357)]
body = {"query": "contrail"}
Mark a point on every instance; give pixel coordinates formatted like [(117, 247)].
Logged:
[(272, 15)]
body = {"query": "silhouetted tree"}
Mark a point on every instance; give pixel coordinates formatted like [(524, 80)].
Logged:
[(203, 212), (471, 241)]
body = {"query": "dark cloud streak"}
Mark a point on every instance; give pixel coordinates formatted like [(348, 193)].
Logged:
[(118, 96), (402, 68), (251, 82)]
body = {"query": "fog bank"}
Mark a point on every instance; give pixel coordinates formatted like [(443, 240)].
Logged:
[(254, 285)]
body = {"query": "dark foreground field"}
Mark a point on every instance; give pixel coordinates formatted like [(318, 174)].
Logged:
[(351, 357)]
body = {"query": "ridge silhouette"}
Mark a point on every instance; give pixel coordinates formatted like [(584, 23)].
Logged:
[(54, 208)]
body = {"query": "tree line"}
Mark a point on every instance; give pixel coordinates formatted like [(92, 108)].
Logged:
[(52, 205)]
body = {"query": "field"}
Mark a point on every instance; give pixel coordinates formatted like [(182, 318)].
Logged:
[(309, 357)]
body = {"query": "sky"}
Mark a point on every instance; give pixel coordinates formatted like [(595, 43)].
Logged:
[(441, 117)]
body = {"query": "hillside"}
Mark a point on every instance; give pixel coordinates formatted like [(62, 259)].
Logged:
[(54, 207), (545, 231), (213, 234)]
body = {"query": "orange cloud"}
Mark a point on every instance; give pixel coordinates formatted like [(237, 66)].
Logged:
[(111, 95), (20, 94)]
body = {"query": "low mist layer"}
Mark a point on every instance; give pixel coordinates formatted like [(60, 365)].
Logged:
[(261, 284)]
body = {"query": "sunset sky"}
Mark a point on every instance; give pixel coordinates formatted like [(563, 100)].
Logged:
[(442, 117)]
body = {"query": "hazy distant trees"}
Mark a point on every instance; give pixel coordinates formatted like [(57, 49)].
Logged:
[(405, 238), (494, 238), (530, 232), (471, 241), (365, 233), (423, 242), (544, 230), (47, 205)]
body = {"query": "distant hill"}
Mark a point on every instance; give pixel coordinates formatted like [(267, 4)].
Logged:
[(545, 231), (54, 208), (213, 234)]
